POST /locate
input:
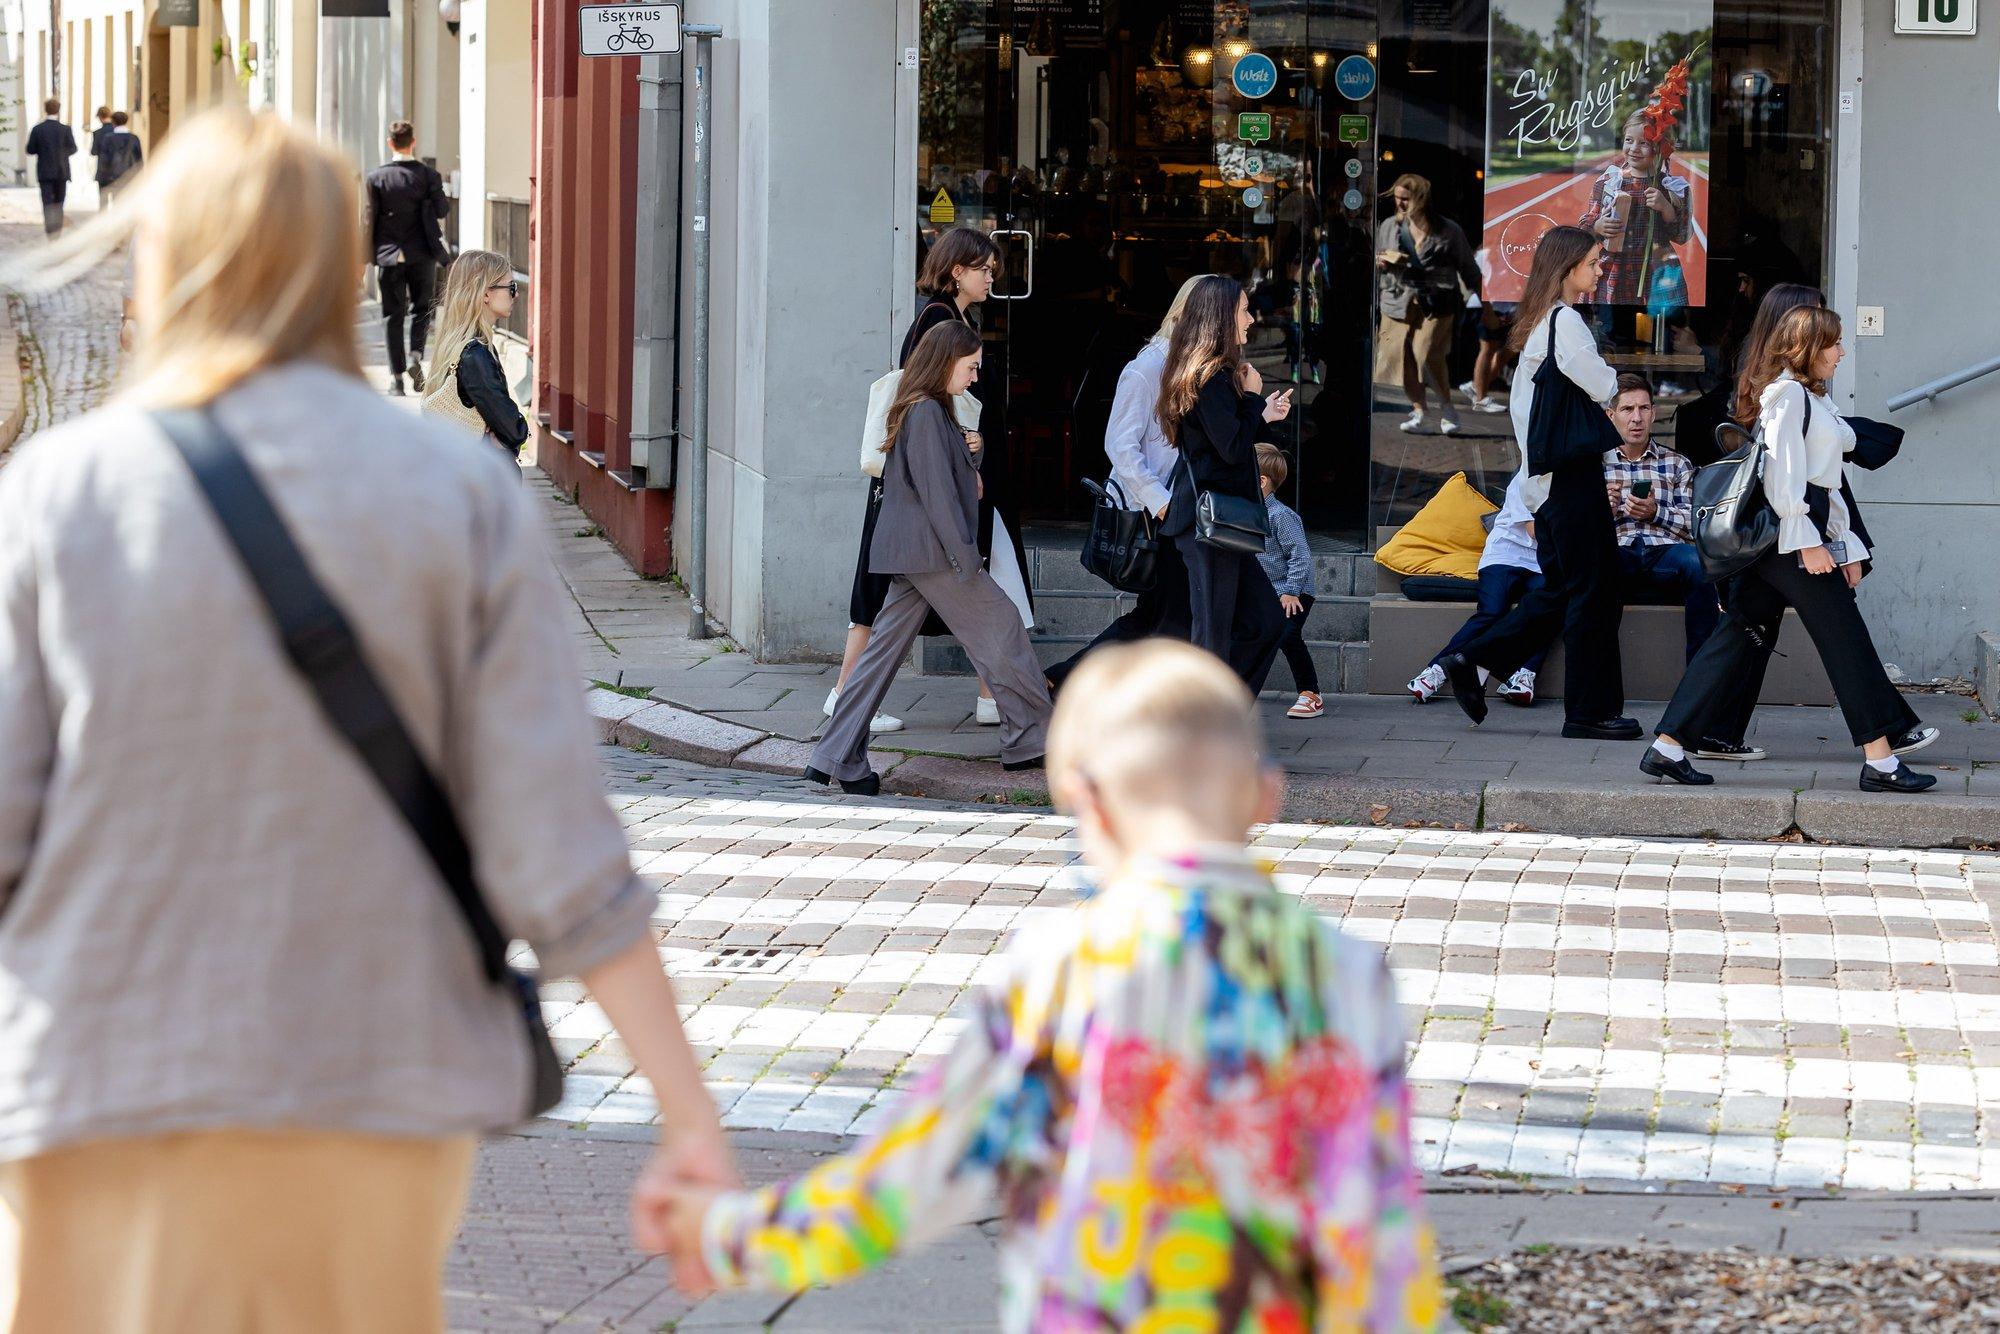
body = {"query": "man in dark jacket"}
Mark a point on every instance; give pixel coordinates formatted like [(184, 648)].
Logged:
[(118, 156), (97, 140), (52, 145), (406, 205)]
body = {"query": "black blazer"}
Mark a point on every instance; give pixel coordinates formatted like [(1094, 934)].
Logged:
[(118, 156), (52, 145), (936, 311), (97, 137), (406, 204), (482, 386), (1218, 443)]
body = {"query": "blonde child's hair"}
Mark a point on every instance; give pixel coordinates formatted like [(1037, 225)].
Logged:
[(1271, 465), (1157, 722)]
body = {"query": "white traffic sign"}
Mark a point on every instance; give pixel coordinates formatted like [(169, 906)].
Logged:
[(1937, 18), (628, 30)]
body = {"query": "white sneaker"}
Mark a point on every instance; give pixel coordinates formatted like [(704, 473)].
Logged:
[(1426, 683), (1414, 423), (1489, 404), (1466, 389), (987, 714), (1448, 425), (1520, 688), (881, 722)]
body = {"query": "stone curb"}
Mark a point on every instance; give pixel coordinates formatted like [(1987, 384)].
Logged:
[(1934, 820), (13, 392)]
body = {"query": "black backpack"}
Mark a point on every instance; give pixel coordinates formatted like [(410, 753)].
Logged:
[(1734, 525)]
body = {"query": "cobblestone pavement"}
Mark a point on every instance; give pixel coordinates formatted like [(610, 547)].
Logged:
[(69, 338)]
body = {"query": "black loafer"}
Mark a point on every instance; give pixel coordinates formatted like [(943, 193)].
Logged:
[(857, 787), (1905, 779), (1610, 729), (1463, 678), (1912, 741), (1655, 765), (1017, 766)]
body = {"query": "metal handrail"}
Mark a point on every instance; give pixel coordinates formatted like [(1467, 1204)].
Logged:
[(1926, 392)]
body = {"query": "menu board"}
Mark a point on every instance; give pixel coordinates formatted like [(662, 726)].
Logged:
[(1598, 116)]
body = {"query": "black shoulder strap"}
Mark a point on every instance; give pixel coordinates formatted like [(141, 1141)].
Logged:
[(322, 645)]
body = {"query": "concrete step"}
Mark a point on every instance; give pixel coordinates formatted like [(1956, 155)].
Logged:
[(1060, 569), (1342, 667), (1064, 612)]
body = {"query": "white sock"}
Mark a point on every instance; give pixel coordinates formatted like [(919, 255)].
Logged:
[(1671, 750), (1484, 676), (1887, 766)]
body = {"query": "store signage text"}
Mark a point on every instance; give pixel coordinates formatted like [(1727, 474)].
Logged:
[(1253, 127), (1937, 18), (1255, 75), (1354, 129), (1355, 78), (628, 30), (1541, 121)]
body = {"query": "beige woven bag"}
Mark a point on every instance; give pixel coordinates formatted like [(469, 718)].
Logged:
[(442, 400)]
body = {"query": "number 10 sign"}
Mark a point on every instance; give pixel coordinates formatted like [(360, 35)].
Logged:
[(1937, 18)]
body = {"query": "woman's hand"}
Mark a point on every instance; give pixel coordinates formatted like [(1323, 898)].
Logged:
[(1278, 406), (1661, 203), (1852, 572), (1290, 605), (1817, 560), (1253, 383), (974, 442)]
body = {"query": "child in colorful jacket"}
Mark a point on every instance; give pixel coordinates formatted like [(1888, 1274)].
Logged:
[(1189, 1093)]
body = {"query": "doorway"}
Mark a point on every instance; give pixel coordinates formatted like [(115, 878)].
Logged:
[(156, 86), (1111, 149)]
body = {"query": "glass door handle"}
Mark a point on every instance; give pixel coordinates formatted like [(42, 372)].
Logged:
[(1028, 245)]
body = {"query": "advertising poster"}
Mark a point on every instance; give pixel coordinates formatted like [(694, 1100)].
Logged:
[(1598, 116)]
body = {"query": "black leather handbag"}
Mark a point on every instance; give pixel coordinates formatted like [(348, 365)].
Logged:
[(322, 646), (1231, 523), (1565, 425), (1123, 548), (1734, 526)]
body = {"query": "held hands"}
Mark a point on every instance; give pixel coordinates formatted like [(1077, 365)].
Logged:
[(1291, 605), (671, 1198)]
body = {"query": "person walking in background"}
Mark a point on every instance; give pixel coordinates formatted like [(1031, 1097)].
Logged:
[(119, 155), (1288, 564), (97, 140), (925, 542), (1142, 463), (958, 273), (406, 208), (1420, 260), (1574, 539), (1509, 570), (1651, 492), (1814, 568), (1187, 1090), (468, 385), (52, 145), (1212, 405), (250, 1040)]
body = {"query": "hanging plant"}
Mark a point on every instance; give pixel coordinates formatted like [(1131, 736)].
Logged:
[(220, 50)]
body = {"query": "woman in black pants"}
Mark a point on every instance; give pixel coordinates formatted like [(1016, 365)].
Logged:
[(1574, 537), (1813, 569), (1212, 406)]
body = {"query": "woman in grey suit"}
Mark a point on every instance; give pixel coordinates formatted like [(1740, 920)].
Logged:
[(927, 539)]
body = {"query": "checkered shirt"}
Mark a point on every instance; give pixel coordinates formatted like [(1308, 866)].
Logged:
[(1672, 477)]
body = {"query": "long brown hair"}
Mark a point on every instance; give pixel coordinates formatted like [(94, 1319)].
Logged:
[(1206, 339), (1779, 302), (927, 374), (1559, 251), (959, 248), (1795, 345)]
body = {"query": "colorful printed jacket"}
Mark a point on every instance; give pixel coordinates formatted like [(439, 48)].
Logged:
[(1189, 1096)]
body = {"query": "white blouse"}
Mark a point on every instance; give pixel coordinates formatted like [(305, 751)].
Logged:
[(1802, 455), (1578, 358)]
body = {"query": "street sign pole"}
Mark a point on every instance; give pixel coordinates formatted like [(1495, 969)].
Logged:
[(697, 433)]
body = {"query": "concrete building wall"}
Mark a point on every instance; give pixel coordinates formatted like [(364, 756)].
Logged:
[(496, 112), (1923, 250)]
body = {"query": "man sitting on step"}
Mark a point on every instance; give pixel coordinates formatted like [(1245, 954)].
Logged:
[(1508, 571)]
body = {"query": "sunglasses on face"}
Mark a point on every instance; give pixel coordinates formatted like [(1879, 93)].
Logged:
[(510, 288)]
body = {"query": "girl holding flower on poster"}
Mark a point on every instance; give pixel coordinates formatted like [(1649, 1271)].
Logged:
[(1640, 207)]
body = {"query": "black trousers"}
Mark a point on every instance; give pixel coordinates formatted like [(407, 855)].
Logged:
[(1161, 610), (1578, 549), (1232, 609), (1730, 720), (409, 290), (1305, 673), (1709, 695)]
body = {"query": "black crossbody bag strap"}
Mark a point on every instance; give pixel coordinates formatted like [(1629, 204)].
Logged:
[(323, 647)]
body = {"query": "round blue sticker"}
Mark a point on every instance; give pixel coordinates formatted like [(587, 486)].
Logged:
[(1351, 201), (1355, 77), (1256, 74)]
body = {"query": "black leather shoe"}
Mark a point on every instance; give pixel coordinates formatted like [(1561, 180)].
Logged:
[(1017, 766), (1912, 741), (417, 375), (1463, 678), (870, 786), (1905, 779), (1610, 729), (395, 386), (1655, 765)]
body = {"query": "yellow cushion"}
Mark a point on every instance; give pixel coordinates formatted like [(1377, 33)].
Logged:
[(1445, 537)]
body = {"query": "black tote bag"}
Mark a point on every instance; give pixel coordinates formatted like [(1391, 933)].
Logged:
[(1734, 525), (1123, 549), (1565, 425)]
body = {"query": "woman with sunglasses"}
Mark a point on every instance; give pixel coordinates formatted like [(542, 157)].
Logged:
[(467, 384)]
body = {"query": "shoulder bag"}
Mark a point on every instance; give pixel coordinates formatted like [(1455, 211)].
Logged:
[(1123, 548), (1565, 425), (1734, 525), (1227, 523), (322, 646)]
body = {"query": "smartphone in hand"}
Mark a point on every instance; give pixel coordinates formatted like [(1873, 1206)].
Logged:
[(1640, 490)]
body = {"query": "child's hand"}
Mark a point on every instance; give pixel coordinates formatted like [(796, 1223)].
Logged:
[(1292, 605), (1660, 202)]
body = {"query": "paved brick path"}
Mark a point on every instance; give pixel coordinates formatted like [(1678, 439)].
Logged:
[(69, 338)]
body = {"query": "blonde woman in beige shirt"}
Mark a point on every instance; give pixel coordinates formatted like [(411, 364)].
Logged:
[(245, 1043)]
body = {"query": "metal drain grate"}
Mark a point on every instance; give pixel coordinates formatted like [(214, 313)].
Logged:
[(762, 960)]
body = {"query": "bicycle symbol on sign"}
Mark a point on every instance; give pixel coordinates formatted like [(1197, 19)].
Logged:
[(639, 40)]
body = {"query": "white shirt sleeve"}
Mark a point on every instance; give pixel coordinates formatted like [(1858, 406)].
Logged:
[(1132, 409), (1578, 358), (1786, 469), (1535, 492)]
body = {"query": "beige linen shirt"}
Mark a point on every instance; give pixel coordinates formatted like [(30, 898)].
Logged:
[(209, 913)]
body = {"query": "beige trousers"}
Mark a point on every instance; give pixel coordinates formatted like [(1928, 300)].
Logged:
[(231, 1232)]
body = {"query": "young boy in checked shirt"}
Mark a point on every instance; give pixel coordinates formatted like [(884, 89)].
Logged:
[(1188, 1094)]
